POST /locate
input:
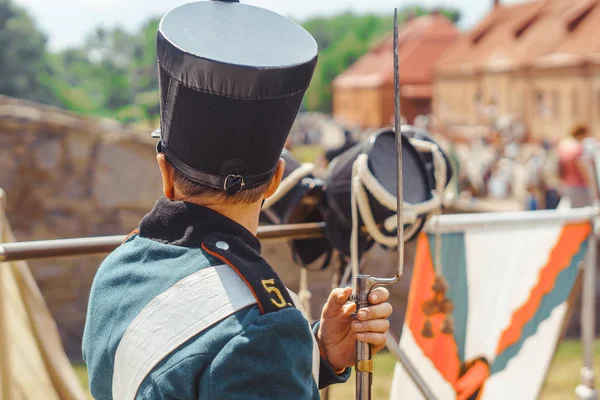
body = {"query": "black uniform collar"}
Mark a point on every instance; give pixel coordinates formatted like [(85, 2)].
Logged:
[(186, 224)]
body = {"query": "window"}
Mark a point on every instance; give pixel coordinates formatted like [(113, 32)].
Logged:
[(556, 104), (542, 106), (577, 17), (517, 99), (574, 103), (526, 25), (476, 36), (477, 102), (492, 108), (539, 103)]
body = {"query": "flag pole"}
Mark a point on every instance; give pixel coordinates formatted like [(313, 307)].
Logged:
[(586, 390), (5, 374)]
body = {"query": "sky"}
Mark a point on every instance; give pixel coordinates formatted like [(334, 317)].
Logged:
[(67, 22)]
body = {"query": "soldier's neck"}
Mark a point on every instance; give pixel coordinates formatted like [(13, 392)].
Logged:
[(244, 214)]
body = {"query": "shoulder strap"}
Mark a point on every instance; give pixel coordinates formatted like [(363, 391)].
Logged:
[(187, 308), (264, 283)]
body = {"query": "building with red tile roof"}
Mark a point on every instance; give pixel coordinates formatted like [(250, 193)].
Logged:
[(363, 95), (532, 61)]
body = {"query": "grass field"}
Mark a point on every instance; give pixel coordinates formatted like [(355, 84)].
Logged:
[(307, 153), (562, 378)]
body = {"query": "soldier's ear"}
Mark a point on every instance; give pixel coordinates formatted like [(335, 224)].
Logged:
[(167, 174), (276, 179)]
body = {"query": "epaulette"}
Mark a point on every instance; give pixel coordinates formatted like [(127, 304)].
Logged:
[(136, 231), (264, 283)]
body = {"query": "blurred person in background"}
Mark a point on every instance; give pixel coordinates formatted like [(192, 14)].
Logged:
[(499, 184), (534, 178), (532, 199), (466, 189), (289, 143), (550, 179), (349, 142), (422, 121), (574, 175)]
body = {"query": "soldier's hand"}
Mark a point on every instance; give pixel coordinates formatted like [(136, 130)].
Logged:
[(338, 333)]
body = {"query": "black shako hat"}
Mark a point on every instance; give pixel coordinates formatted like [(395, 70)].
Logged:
[(232, 78)]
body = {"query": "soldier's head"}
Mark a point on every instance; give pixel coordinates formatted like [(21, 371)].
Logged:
[(177, 186), (232, 78), (580, 131)]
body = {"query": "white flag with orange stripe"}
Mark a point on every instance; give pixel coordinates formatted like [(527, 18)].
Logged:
[(492, 331)]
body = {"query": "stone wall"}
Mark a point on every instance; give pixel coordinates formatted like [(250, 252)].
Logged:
[(67, 176)]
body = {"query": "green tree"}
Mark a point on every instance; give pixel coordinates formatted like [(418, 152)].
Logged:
[(144, 77), (22, 55), (342, 40), (114, 73)]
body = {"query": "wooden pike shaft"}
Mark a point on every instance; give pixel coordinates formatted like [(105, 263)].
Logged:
[(365, 283)]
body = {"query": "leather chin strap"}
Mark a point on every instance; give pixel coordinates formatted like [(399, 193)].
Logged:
[(231, 184)]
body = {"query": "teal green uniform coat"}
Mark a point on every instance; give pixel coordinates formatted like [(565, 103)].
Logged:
[(248, 355)]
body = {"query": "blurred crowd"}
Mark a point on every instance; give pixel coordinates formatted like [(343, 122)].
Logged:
[(498, 164), (540, 175)]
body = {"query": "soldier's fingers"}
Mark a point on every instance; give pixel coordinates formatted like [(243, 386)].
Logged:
[(377, 311), (379, 295), (337, 299), (349, 308), (376, 339), (377, 326)]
